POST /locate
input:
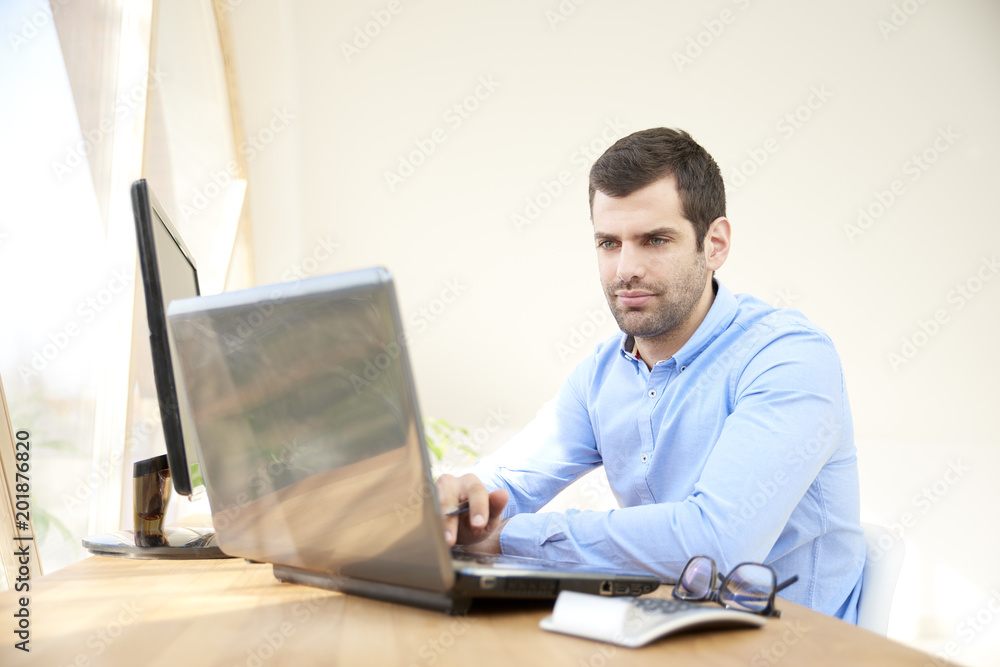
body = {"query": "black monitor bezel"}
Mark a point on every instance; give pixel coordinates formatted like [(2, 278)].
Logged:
[(144, 205)]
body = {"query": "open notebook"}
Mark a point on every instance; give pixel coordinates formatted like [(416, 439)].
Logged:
[(632, 623)]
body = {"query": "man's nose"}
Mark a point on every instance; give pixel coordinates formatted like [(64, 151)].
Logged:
[(630, 266)]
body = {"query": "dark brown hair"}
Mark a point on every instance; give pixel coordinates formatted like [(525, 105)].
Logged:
[(644, 157)]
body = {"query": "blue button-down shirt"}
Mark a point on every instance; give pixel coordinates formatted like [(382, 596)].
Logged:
[(739, 447)]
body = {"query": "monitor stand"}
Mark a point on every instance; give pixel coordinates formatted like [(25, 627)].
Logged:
[(184, 544), (151, 493)]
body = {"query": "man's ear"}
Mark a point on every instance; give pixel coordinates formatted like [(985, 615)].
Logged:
[(716, 245)]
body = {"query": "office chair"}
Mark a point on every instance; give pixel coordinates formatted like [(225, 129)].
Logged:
[(883, 561)]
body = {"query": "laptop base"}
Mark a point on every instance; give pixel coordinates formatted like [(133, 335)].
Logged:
[(373, 589)]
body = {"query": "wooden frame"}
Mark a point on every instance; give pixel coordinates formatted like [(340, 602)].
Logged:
[(9, 534)]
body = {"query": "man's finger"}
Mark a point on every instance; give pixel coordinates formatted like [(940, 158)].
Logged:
[(498, 500), (448, 492), (472, 489)]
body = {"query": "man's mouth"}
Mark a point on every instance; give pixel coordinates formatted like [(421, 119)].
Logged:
[(633, 298)]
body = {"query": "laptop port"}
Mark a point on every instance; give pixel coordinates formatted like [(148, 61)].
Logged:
[(488, 583), (605, 588)]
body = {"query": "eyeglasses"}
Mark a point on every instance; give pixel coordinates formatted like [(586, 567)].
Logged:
[(749, 587)]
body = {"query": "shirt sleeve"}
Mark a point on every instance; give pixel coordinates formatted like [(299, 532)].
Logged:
[(554, 449), (788, 414)]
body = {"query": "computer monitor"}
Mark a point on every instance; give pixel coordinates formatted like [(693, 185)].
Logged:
[(168, 273)]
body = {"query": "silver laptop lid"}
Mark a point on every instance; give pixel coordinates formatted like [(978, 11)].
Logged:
[(307, 427)]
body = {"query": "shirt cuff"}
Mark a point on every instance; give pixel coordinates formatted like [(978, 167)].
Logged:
[(533, 535)]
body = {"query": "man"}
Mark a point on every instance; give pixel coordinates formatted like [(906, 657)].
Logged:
[(722, 423)]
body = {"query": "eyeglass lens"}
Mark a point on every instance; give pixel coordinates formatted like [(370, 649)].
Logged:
[(697, 579), (748, 587)]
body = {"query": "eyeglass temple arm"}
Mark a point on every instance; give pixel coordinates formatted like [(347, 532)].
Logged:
[(785, 584)]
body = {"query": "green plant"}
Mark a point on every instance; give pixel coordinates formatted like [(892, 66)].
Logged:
[(443, 436)]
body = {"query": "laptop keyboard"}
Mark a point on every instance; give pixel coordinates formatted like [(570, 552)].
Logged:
[(480, 559)]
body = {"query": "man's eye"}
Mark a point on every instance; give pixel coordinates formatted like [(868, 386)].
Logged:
[(658, 241), (606, 245)]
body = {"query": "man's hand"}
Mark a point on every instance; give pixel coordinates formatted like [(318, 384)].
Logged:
[(481, 524)]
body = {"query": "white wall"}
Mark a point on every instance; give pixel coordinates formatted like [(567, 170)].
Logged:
[(885, 79)]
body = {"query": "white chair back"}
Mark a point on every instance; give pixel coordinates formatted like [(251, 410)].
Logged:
[(883, 562)]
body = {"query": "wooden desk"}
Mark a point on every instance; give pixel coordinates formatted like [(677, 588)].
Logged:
[(106, 611)]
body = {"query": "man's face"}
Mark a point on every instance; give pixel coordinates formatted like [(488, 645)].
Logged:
[(652, 273)]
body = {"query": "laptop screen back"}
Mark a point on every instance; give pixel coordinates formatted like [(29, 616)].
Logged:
[(305, 416)]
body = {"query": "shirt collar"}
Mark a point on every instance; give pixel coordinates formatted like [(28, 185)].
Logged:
[(719, 317)]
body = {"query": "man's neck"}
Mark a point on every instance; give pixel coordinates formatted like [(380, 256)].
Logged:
[(664, 346)]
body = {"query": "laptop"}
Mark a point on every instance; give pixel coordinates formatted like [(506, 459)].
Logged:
[(308, 431)]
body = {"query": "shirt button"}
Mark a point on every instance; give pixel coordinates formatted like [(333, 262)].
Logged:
[(644, 458), (682, 368), (652, 393)]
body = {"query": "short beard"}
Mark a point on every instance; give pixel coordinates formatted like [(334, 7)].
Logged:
[(678, 301)]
